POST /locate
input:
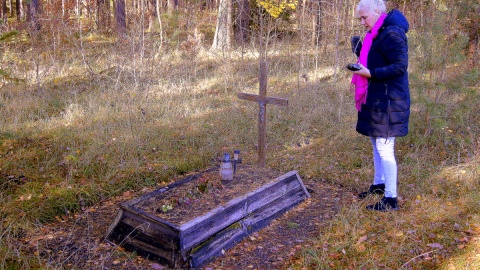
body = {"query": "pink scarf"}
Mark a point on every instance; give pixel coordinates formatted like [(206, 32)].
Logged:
[(360, 82)]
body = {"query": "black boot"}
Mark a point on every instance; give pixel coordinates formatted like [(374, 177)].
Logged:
[(385, 205), (374, 189)]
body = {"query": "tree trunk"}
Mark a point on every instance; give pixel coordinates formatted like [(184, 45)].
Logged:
[(20, 10), (473, 48), (121, 23), (223, 32), (151, 14), (317, 34), (3, 10), (159, 21), (242, 21), (473, 36), (32, 15), (103, 14), (172, 4), (11, 8)]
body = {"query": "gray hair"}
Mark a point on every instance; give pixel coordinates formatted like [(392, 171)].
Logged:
[(370, 6)]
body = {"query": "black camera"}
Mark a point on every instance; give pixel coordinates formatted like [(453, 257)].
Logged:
[(354, 67)]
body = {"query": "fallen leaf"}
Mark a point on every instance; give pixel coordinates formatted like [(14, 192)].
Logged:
[(157, 266), (464, 240), (362, 239), (360, 248), (435, 245), (335, 255)]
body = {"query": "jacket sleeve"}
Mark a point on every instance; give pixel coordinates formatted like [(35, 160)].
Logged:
[(356, 43), (395, 50)]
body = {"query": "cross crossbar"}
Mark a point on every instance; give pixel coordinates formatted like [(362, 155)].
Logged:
[(262, 100)]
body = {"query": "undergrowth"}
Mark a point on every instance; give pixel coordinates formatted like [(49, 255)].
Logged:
[(101, 117)]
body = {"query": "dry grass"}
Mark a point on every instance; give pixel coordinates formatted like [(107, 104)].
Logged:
[(99, 117)]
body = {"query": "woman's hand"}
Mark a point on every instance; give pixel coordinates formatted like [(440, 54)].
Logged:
[(365, 72)]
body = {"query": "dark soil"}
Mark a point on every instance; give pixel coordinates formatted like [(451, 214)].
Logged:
[(197, 197), (77, 242)]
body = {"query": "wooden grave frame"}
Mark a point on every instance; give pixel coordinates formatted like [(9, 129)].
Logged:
[(200, 240)]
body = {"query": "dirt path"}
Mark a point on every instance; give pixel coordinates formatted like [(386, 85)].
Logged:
[(77, 242)]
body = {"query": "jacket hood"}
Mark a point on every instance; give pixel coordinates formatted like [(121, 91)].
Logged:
[(396, 18)]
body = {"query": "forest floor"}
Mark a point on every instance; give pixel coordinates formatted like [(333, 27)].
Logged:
[(78, 242)]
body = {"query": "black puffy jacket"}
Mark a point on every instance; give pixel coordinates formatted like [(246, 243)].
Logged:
[(387, 109)]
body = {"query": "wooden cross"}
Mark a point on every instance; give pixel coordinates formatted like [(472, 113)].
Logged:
[(262, 100)]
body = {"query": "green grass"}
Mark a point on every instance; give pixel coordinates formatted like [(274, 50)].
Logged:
[(130, 117)]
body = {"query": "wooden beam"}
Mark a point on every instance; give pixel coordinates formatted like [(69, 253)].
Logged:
[(266, 100)]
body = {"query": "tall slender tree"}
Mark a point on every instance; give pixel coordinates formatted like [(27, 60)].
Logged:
[(172, 4), (242, 21), (223, 32), (103, 14), (121, 23), (151, 14), (317, 33), (469, 18), (12, 10), (33, 8), (3, 10), (20, 10)]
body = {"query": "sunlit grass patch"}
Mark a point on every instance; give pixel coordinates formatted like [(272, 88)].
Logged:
[(96, 118)]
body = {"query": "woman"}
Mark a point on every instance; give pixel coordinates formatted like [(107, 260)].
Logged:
[(382, 94)]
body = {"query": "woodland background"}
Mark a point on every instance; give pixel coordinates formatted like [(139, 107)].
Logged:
[(99, 98)]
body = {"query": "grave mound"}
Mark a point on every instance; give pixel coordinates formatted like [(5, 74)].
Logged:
[(196, 219)]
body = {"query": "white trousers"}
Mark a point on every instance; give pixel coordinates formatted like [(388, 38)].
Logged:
[(385, 164)]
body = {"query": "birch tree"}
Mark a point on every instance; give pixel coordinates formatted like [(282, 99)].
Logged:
[(223, 32)]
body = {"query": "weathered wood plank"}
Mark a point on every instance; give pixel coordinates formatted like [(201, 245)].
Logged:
[(203, 227), (268, 100), (257, 220), (158, 192), (114, 224), (148, 216), (201, 239), (217, 220), (131, 235), (268, 194), (144, 248), (224, 240), (299, 179), (273, 186), (163, 234), (267, 213)]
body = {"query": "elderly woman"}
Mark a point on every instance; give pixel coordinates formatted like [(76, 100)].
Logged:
[(382, 95)]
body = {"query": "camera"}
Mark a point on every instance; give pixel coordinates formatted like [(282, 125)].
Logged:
[(354, 67)]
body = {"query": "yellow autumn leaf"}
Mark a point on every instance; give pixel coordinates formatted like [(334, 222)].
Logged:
[(275, 9)]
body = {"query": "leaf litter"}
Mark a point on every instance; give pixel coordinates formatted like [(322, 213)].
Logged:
[(79, 241)]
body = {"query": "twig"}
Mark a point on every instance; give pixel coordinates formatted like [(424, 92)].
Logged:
[(417, 257)]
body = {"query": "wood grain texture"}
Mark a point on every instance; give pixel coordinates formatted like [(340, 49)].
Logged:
[(203, 238)]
